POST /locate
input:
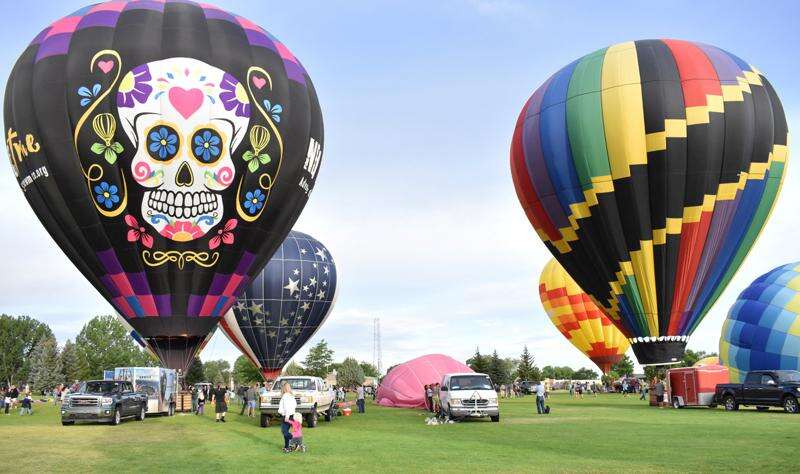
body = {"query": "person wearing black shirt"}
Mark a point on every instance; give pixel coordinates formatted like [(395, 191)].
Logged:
[(12, 395), (221, 402)]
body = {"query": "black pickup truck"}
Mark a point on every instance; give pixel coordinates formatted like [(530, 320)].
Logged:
[(104, 400), (762, 389)]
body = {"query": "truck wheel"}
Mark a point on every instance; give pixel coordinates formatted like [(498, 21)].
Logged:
[(676, 403), (495, 418), (264, 420), (730, 403), (142, 413), (762, 408), (329, 413), (790, 404), (117, 417), (67, 423), (312, 418)]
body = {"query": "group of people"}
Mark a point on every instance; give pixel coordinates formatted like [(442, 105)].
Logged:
[(578, 389), (11, 397), (432, 402), (207, 394)]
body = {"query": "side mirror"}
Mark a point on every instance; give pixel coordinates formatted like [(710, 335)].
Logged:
[(443, 388)]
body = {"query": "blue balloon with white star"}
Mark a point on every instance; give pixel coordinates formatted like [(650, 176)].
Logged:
[(284, 305)]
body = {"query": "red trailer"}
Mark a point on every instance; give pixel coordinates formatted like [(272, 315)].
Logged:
[(695, 386)]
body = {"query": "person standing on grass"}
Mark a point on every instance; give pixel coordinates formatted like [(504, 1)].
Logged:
[(242, 393), (659, 390), (252, 396), (360, 398), (429, 398), (2, 399), (11, 398), (221, 401), (540, 394), (27, 406), (193, 392), (625, 388), (286, 408), (201, 401)]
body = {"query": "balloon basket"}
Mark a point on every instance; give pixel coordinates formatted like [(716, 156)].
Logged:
[(665, 350)]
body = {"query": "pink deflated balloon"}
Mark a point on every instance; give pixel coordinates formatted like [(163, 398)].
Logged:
[(404, 385)]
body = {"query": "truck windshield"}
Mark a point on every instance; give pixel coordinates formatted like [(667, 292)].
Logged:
[(788, 375), (296, 384), (470, 382), (99, 387)]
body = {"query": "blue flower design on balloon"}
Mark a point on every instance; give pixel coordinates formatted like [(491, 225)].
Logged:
[(206, 145), (106, 194), (163, 142), (254, 200)]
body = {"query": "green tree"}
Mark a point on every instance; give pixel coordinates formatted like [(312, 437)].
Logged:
[(70, 363), (478, 362), (194, 373), (624, 366), (217, 371), (691, 357), (293, 368), (655, 371), (369, 369), (526, 369), (46, 369), (244, 372), (318, 360), (103, 344), (350, 373), (584, 374), (558, 373), (499, 369), (18, 337)]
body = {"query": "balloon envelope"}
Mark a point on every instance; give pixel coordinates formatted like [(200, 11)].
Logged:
[(648, 168), (167, 147), (762, 331), (404, 385), (581, 321), (285, 304)]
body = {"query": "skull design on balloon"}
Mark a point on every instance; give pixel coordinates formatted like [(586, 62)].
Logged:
[(185, 118)]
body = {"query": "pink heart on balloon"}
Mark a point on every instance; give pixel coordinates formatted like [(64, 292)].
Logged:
[(186, 102), (105, 66), (259, 82)]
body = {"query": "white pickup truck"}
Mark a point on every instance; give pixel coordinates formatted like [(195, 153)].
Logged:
[(313, 397)]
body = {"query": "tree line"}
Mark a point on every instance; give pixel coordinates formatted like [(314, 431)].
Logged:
[(506, 370), (30, 354), (319, 362)]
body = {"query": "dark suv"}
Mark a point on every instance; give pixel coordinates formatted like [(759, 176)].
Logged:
[(104, 400)]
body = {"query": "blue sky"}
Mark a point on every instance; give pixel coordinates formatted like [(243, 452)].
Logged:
[(414, 197)]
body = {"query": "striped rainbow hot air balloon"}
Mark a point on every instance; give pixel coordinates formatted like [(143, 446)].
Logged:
[(649, 168), (581, 321)]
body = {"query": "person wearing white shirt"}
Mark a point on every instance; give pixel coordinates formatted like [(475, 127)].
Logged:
[(286, 408), (540, 398)]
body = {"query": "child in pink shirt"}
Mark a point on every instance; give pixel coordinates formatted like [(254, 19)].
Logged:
[(296, 443)]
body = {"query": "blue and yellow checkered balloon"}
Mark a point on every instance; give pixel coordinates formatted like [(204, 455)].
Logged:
[(762, 331)]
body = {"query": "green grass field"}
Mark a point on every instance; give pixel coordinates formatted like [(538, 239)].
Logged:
[(607, 433)]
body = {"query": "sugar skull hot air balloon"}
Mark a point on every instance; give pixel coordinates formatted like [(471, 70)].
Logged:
[(762, 331), (576, 316), (167, 147), (648, 168), (284, 305)]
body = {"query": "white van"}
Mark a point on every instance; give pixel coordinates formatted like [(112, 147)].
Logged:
[(469, 395)]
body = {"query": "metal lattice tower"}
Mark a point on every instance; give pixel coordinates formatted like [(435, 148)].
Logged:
[(376, 344)]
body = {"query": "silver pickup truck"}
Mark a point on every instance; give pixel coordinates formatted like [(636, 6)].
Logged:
[(104, 400)]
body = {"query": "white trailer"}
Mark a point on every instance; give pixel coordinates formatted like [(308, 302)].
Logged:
[(160, 385)]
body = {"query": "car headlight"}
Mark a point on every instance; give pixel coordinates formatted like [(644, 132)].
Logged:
[(455, 401), (106, 401), (306, 399), (798, 389), (493, 400)]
